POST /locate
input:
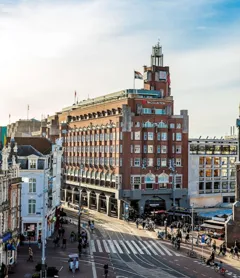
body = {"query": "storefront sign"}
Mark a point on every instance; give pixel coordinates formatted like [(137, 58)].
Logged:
[(150, 178)]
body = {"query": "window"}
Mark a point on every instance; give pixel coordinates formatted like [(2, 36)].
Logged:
[(33, 164), (179, 126), (32, 186), (136, 182), (137, 135), (164, 149), (150, 148), (178, 162), (145, 148), (147, 111), (136, 162), (106, 149), (173, 136), (158, 149), (164, 162), (178, 149), (164, 136), (150, 162), (160, 111), (120, 135), (31, 206), (150, 135), (158, 162), (172, 125), (173, 149), (159, 136), (120, 148), (106, 136), (120, 162), (178, 136), (145, 136), (137, 149)]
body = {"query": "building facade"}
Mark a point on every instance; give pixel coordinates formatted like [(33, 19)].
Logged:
[(41, 176), (212, 171), (118, 147), (23, 128), (10, 207)]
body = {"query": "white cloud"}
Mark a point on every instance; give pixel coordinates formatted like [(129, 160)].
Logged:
[(49, 50)]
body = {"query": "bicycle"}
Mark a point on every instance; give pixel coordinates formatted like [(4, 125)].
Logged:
[(191, 254), (219, 270)]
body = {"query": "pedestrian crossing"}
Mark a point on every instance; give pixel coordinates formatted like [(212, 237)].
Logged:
[(135, 247)]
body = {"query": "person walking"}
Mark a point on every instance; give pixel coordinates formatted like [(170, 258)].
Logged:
[(137, 223), (105, 268), (39, 242), (231, 252), (64, 243), (92, 227), (236, 251), (220, 250), (30, 254)]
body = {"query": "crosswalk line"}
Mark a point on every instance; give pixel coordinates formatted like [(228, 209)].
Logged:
[(150, 247), (154, 245), (144, 247), (124, 246), (118, 247), (112, 247), (106, 246), (137, 247), (92, 246), (165, 249), (99, 246), (131, 247)]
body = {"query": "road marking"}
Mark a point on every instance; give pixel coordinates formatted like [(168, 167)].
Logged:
[(106, 246), (131, 247), (157, 248), (99, 246), (150, 247), (124, 246), (112, 246), (144, 247), (164, 248), (137, 247), (92, 246), (118, 247)]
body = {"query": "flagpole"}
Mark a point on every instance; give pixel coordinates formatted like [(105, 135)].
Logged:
[(133, 79), (27, 111)]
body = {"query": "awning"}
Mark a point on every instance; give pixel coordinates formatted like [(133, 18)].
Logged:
[(209, 226)]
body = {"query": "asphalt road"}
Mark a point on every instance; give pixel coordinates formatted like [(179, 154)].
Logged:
[(136, 253)]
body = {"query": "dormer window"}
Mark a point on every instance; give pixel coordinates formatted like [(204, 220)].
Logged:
[(32, 164)]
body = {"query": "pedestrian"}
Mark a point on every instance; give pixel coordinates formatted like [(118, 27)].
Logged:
[(231, 252), (214, 246), (89, 223), (30, 254), (92, 227), (63, 232), (64, 243), (137, 223), (39, 242), (224, 249), (143, 224), (236, 251), (105, 268)]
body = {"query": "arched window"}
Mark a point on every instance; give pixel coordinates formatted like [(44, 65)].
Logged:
[(162, 125)]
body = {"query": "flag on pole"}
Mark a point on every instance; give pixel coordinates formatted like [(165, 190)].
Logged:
[(138, 75)]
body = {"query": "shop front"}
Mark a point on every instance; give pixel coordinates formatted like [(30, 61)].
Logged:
[(31, 230)]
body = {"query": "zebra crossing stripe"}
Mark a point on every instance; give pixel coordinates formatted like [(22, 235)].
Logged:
[(92, 246), (99, 246), (118, 247), (124, 246), (144, 247), (106, 246), (131, 247), (137, 247), (157, 248), (112, 246), (165, 249), (150, 247)]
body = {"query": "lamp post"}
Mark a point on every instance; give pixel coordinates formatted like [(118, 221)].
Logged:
[(192, 226)]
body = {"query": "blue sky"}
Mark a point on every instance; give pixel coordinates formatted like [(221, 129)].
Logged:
[(49, 49)]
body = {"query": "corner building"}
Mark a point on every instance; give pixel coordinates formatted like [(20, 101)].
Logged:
[(118, 147)]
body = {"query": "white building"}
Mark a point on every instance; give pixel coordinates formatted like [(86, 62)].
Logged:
[(40, 173), (212, 171)]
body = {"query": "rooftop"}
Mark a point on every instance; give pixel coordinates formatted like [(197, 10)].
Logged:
[(140, 93), (26, 150)]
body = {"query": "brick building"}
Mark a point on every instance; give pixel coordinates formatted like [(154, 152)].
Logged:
[(118, 147)]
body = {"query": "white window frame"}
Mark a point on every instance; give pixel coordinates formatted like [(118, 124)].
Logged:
[(150, 148), (150, 136), (150, 162), (163, 162), (178, 136), (137, 135), (32, 209), (32, 163), (137, 162), (172, 125), (178, 162), (137, 149), (178, 149), (32, 184), (163, 149)]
